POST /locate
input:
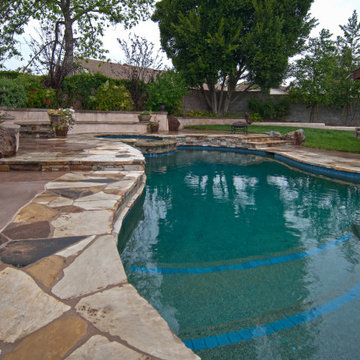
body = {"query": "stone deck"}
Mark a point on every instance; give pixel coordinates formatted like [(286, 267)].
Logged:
[(63, 290)]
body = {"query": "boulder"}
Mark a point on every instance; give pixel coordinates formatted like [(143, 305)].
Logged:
[(298, 136), (9, 139), (357, 133), (173, 122)]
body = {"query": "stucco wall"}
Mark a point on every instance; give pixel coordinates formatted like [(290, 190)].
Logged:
[(298, 113)]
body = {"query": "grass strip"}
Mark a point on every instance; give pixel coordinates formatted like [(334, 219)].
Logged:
[(340, 140)]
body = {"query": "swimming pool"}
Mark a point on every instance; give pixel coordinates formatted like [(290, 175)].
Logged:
[(247, 258)]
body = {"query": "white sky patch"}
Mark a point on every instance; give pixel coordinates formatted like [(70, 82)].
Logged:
[(330, 15)]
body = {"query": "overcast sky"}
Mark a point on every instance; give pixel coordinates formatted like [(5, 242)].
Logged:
[(330, 14)]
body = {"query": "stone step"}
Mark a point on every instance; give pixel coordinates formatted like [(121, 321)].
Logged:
[(268, 143), (38, 129), (262, 138)]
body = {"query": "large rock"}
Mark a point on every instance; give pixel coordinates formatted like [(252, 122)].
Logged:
[(298, 136), (9, 139)]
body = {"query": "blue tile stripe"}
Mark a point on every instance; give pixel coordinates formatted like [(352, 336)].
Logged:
[(275, 326), (245, 265)]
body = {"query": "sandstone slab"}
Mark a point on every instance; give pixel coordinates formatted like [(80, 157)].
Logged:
[(35, 230), (47, 269), (51, 342), (25, 252), (61, 201), (24, 308), (86, 223), (75, 249), (34, 212), (72, 184), (95, 268), (122, 312), (99, 348), (96, 201)]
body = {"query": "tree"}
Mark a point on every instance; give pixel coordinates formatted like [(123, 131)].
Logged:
[(169, 89), (313, 72), (80, 23), (323, 74), (344, 93), (215, 44), (143, 60)]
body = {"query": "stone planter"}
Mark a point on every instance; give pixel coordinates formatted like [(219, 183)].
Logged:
[(144, 118)]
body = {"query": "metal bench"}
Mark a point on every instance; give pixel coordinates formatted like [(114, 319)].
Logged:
[(241, 126)]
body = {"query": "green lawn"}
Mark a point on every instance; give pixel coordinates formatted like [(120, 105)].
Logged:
[(315, 138)]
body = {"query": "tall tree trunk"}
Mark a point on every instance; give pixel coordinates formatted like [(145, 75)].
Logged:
[(67, 67), (206, 96)]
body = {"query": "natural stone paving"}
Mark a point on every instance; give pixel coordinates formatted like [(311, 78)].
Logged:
[(47, 269), (100, 348), (65, 242), (329, 159), (80, 279), (24, 308), (132, 319), (52, 341)]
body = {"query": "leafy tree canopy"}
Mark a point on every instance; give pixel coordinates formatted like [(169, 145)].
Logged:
[(76, 25), (323, 74), (221, 42)]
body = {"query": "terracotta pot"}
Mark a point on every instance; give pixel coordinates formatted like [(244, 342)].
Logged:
[(61, 132), (153, 128)]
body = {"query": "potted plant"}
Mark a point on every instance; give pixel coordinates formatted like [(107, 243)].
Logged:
[(145, 116), (61, 121), (153, 127)]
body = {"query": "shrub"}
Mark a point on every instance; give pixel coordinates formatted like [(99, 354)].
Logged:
[(12, 94), (256, 117), (78, 90), (255, 105), (9, 74), (38, 95), (270, 108), (168, 88), (112, 97)]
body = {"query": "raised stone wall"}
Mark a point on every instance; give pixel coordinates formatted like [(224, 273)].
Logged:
[(92, 121)]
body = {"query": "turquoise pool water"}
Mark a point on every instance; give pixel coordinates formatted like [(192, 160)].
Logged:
[(246, 258)]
